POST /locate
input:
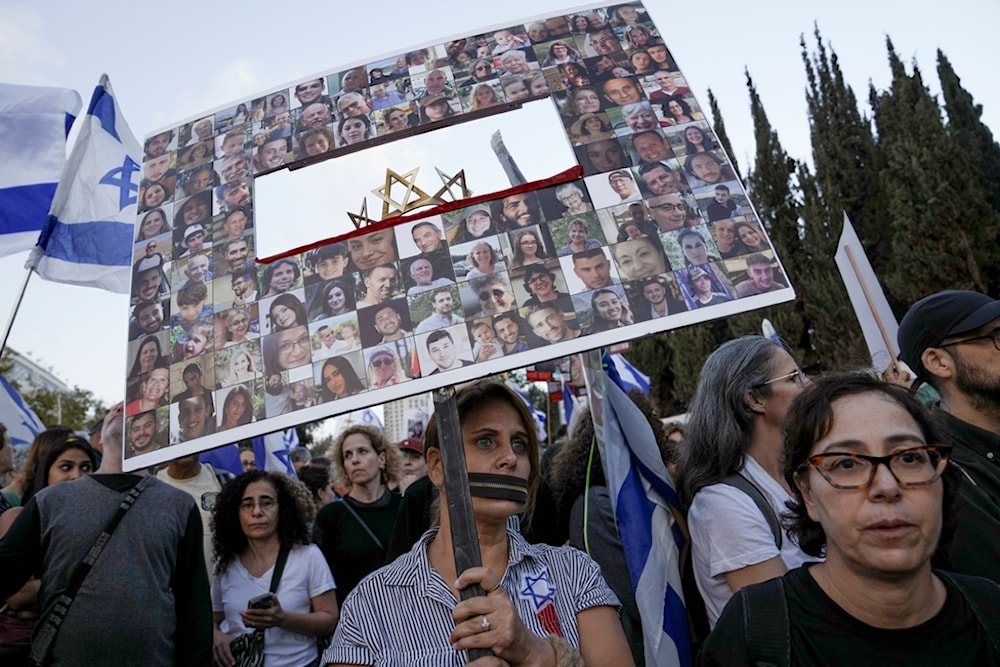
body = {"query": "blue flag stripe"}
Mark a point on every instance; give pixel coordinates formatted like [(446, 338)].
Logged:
[(22, 205), (107, 243), (632, 502), (102, 107), (675, 624)]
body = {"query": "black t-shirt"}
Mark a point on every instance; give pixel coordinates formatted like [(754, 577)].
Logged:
[(822, 633)]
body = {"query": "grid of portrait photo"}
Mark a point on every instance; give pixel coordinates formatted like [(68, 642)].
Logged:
[(657, 225)]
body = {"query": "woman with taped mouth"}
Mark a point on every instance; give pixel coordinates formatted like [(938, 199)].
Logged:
[(543, 605)]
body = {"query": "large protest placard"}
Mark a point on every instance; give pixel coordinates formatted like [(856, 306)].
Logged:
[(647, 230)]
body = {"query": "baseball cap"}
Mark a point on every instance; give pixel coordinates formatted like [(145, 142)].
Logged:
[(939, 316), (413, 444), (696, 272), (477, 209)]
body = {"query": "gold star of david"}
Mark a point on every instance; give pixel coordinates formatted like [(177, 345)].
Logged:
[(361, 218), (449, 181), (407, 179)]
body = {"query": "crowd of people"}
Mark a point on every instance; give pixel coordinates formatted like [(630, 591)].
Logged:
[(844, 519)]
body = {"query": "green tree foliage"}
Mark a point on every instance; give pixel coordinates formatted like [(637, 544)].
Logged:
[(976, 142), (922, 194), (845, 158), (78, 408), (937, 202), (720, 129)]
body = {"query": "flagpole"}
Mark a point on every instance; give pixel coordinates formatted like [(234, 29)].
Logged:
[(871, 306), (13, 312)]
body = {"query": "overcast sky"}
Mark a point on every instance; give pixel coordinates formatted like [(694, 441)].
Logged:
[(170, 61)]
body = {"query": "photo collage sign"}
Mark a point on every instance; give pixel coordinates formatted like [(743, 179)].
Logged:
[(658, 233)]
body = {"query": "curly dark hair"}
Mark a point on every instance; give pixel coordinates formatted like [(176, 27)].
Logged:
[(810, 419), (229, 541)]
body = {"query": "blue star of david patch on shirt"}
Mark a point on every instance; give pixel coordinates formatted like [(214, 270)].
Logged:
[(537, 590)]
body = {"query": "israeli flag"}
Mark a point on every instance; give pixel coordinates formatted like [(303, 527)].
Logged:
[(21, 421), (87, 239), (34, 122), (623, 373), (644, 500), (273, 449), (370, 418)]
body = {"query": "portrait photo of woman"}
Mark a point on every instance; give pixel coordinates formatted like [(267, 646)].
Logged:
[(153, 224), (528, 248), (335, 298), (237, 408), (338, 379), (286, 311)]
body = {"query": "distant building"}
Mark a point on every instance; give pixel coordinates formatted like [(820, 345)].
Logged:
[(29, 376), (402, 417)]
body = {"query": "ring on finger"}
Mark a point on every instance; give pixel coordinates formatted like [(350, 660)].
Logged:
[(485, 625)]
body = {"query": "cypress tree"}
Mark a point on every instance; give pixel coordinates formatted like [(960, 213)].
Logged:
[(975, 140), (937, 205), (720, 130), (845, 158), (773, 193)]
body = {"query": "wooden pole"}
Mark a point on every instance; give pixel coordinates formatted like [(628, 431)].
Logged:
[(464, 537)]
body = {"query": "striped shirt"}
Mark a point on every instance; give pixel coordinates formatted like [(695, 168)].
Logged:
[(401, 614)]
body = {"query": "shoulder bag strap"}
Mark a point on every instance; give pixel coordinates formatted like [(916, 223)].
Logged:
[(347, 505), (42, 644), (279, 568), (766, 630), (740, 482)]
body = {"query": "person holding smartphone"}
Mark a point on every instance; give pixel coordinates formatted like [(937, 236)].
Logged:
[(257, 518)]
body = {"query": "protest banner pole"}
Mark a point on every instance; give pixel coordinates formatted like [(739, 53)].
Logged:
[(13, 312), (871, 306), (464, 537)]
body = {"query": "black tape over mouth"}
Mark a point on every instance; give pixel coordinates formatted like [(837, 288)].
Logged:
[(499, 487)]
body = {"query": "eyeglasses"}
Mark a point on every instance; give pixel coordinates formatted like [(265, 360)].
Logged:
[(287, 345), (916, 466), (495, 293), (992, 336), (384, 361), (668, 207), (537, 278), (265, 505), (797, 374)]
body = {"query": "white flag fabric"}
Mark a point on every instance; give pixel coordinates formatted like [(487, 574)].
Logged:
[(34, 122), (859, 278), (21, 421), (630, 376), (87, 238), (370, 418), (642, 494), (273, 449)]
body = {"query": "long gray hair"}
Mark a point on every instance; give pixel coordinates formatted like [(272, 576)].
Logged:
[(720, 421)]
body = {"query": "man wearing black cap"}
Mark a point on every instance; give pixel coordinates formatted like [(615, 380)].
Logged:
[(952, 341)]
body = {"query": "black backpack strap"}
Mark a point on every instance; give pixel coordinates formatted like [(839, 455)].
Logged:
[(983, 597), (766, 630), (740, 482)]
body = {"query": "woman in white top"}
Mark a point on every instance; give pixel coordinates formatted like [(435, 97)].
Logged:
[(734, 427), (256, 518)]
